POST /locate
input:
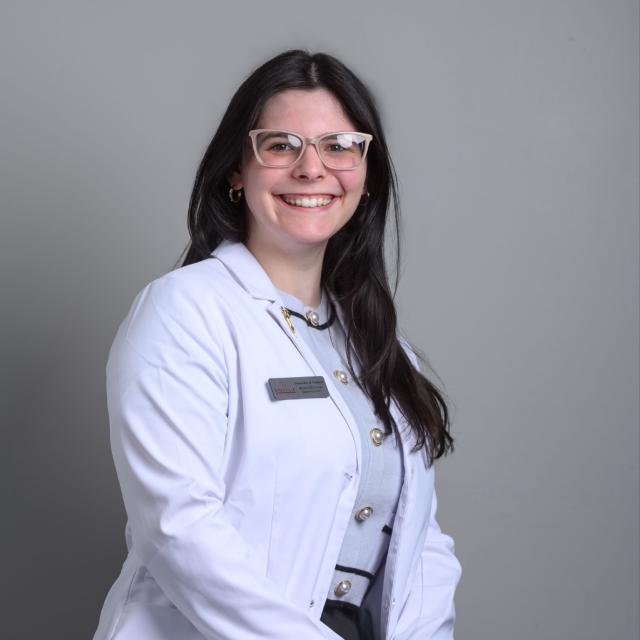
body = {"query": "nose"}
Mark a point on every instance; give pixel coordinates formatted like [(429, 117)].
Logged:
[(309, 166)]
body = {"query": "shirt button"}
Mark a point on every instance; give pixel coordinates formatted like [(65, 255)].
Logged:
[(342, 587), (376, 436), (341, 375), (364, 513)]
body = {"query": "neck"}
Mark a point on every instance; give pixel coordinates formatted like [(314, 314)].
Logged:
[(297, 271)]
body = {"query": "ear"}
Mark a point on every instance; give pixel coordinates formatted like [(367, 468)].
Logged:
[(235, 179)]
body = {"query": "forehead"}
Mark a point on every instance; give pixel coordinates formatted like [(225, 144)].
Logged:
[(306, 111)]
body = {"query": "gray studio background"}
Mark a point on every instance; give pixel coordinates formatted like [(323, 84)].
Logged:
[(514, 128)]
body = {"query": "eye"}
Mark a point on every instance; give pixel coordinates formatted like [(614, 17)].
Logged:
[(279, 143), (335, 147), (280, 146), (341, 144)]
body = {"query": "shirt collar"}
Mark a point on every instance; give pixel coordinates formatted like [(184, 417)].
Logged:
[(294, 303)]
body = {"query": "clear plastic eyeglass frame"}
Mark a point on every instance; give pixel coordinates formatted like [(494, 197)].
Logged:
[(253, 134)]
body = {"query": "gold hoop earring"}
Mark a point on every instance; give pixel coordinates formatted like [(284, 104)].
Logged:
[(235, 195)]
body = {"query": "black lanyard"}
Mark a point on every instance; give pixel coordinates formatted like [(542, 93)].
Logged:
[(312, 318)]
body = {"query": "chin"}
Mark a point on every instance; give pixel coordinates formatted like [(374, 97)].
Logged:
[(307, 236), (311, 240)]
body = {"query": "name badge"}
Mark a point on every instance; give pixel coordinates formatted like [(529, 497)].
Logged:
[(298, 388)]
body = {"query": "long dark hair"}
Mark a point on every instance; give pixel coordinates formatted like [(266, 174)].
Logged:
[(354, 263)]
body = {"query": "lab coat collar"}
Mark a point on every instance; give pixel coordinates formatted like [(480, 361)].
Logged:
[(246, 269), (250, 274)]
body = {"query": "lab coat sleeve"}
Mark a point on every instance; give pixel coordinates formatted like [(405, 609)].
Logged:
[(167, 392), (431, 615)]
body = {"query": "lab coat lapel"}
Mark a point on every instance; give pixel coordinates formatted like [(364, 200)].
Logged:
[(250, 274)]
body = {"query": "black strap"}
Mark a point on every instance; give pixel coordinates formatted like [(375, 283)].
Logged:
[(355, 571), (319, 327)]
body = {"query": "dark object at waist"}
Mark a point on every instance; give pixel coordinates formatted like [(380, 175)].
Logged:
[(348, 621)]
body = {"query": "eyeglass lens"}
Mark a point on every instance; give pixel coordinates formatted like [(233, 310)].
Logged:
[(338, 151)]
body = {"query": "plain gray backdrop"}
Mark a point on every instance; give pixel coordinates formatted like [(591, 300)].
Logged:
[(514, 129)]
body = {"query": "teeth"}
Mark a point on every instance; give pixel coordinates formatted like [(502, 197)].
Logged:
[(307, 202)]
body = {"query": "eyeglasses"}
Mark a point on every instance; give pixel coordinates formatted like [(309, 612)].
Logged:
[(341, 150)]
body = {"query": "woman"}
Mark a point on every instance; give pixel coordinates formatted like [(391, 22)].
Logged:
[(272, 434)]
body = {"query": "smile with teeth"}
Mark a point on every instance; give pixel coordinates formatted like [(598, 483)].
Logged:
[(313, 201)]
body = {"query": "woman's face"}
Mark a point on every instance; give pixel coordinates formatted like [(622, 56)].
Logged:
[(273, 223)]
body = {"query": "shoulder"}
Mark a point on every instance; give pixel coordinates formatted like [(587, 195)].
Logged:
[(173, 334), (182, 309), (186, 292), (201, 284)]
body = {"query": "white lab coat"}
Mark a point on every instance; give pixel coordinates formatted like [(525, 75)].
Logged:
[(237, 504)]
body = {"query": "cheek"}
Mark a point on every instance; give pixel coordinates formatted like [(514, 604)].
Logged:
[(353, 185), (257, 191)]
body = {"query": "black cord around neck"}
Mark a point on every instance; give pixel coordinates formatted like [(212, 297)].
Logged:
[(319, 327)]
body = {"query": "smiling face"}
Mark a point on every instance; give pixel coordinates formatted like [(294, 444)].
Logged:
[(276, 221)]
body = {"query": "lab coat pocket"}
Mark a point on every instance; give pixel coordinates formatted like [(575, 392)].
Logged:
[(145, 590), (149, 614), (145, 621)]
